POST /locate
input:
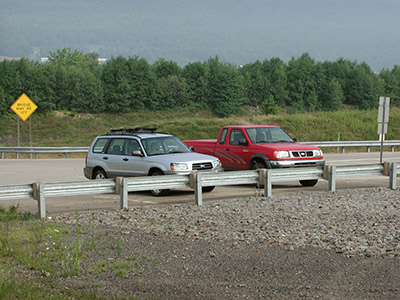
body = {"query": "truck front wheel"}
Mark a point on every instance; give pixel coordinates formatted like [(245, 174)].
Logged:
[(258, 164), (208, 189)]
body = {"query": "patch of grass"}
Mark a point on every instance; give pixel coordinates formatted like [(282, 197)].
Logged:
[(36, 254), (121, 268)]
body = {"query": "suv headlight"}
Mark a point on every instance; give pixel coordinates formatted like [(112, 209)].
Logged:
[(217, 164), (179, 167), (281, 154)]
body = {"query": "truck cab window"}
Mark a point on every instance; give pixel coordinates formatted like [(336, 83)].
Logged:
[(235, 136), (223, 136)]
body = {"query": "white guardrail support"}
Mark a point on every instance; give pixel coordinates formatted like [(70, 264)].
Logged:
[(267, 182), (196, 181), (288, 174), (43, 190), (331, 173), (394, 170), (200, 180), (147, 183)]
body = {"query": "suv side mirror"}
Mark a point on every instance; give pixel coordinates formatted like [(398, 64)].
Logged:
[(191, 148), (137, 153)]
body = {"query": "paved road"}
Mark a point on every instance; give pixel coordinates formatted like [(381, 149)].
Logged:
[(27, 171)]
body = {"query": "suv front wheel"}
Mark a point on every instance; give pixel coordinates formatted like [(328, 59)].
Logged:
[(158, 192), (310, 182)]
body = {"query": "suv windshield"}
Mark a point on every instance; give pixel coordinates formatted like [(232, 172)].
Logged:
[(262, 135), (164, 145)]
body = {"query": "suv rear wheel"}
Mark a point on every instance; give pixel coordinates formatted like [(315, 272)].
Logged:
[(99, 174), (158, 192)]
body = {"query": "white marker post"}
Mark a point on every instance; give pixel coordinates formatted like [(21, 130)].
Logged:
[(383, 120)]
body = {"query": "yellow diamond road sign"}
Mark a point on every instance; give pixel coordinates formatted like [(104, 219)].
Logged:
[(24, 107)]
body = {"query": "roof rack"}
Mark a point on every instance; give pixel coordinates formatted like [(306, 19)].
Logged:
[(132, 130)]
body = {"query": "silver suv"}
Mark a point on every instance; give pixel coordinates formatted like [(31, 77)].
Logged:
[(144, 152)]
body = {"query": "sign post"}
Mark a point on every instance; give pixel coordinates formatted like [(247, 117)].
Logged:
[(24, 107), (383, 120)]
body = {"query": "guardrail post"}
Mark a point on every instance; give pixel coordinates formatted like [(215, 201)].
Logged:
[(121, 188), (393, 175), (332, 178), (124, 194), (268, 183), (39, 195), (386, 168), (198, 191)]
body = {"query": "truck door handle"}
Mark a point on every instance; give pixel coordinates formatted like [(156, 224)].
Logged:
[(227, 149), (105, 157), (125, 159)]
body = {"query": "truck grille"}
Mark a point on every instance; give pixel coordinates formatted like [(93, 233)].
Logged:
[(302, 153), (202, 166)]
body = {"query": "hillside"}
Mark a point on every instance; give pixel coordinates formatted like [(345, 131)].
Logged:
[(68, 129)]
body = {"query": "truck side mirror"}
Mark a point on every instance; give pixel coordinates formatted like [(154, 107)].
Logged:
[(191, 148), (243, 142), (294, 139)]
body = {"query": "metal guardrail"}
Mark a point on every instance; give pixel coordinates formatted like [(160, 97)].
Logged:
[(196, 181), (323, 144), (343, 144), (333, 172), (42, 150), (16, 192)]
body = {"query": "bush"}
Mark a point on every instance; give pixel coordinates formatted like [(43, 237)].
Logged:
[(269, 106)]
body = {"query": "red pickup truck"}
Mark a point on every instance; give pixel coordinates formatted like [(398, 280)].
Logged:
[(257, 147)]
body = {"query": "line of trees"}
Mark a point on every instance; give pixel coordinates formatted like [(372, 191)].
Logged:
[(74, 81)]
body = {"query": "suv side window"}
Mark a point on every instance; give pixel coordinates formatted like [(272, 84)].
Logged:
[(130, 146), (235, 136), (99, 145), (116, 146)]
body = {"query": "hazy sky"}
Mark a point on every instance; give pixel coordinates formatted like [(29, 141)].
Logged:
[(194, 30)]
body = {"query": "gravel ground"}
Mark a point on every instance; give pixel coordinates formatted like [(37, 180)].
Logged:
[(341, 245)]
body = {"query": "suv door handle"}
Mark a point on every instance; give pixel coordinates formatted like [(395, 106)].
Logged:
[(105, 157), (227, 149), (125, 159)]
